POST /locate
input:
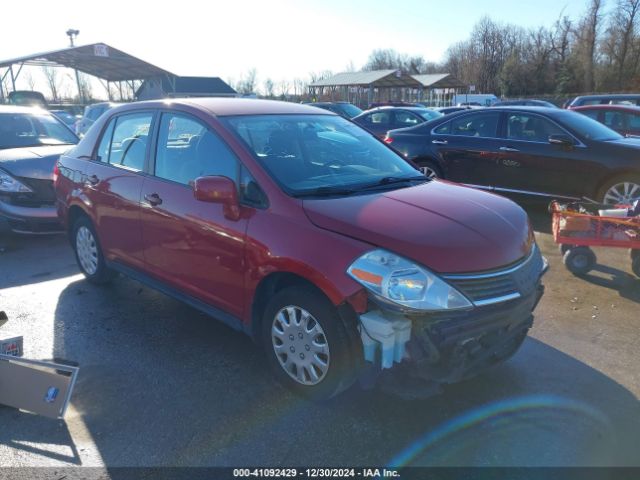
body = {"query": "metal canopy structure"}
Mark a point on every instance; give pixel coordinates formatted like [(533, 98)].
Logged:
[(438, 89), (100, 60), (372, 83), (439, 80)]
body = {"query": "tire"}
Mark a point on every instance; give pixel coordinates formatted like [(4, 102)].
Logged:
[(317, 376), (613, 191), (89, 253), (635, 266), (429, 168), (564, 247), (579, 260)]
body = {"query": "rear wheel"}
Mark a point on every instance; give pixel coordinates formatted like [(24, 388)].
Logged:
[(429, 169), (306, 343), (579, 260), (89, 254)]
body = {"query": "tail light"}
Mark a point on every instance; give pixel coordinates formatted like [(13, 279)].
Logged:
[(56, 173), (388, 140)]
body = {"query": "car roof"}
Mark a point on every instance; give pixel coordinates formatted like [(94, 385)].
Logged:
[(231, 106), (394, 107), (22, 109), (613, 95), (608, 106)]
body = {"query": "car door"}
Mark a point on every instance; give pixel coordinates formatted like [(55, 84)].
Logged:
[(528, 162), (191, 245), (113, 183), (467, 146)]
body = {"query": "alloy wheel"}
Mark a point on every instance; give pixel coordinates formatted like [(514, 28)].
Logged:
[(428, 172), (87, 250), (622, 193), (300, 345)]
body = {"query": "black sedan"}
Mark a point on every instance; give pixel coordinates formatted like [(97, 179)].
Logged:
[(547, 152), (382, 119), (31, 140)]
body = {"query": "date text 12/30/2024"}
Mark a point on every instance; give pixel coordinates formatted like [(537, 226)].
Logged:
[(315, 473)]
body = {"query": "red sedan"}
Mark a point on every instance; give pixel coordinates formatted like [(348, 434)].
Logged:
[(624, 119), (304, 231)]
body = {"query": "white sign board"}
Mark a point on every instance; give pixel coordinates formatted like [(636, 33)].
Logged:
[(472, 88), (101, 50)]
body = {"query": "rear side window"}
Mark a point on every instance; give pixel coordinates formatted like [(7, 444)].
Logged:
[(634, 121), (407, 119), (102, 155), (129, 140), (187, 150), (613, 119), (379, 118), (477, 125)]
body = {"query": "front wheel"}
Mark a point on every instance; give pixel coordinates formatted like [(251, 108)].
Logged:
[(306, 343), (89, 254), (623, 190)]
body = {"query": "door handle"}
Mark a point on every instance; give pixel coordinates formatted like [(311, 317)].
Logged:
[(508, 149), (93, 179), (153, 198), (439, 142)]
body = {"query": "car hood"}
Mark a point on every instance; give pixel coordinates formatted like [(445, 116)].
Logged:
[(446, 227), (32, 162)]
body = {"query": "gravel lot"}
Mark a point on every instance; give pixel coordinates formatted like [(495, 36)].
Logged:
[(161, 384)]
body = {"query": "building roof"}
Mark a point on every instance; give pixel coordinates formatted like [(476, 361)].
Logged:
[(439, 80), (375, 78), (97, 59), (197, 85)]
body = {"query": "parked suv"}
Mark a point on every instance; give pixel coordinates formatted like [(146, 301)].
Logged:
[(301, 229)]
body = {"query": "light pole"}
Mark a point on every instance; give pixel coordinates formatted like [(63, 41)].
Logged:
[(72, 33)]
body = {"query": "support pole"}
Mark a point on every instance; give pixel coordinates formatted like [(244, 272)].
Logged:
[(13, 78), (80, 93)]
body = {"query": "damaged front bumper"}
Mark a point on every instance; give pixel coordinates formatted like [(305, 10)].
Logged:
[(448, 347)]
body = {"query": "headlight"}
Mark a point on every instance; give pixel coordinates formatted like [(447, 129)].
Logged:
[(10, 184), (399, 281)]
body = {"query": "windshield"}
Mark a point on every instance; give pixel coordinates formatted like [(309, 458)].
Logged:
[(33, 129), (588, 127), (430, 114), (320, 153)]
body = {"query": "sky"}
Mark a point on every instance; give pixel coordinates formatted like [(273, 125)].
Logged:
[(281, 39)]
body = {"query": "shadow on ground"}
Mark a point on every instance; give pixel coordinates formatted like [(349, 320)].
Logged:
[(162, 384)]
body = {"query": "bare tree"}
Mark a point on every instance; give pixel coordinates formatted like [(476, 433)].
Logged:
[(283, 88), (31, 82), (53, 81), (268, 88), (248, 82)]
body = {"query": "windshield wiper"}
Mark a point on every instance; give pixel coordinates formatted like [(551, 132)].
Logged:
[(383, 182), (325, 192), (393, 180)]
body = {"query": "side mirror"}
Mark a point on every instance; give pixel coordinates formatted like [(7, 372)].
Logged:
[(217, 189), (562, 140)]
